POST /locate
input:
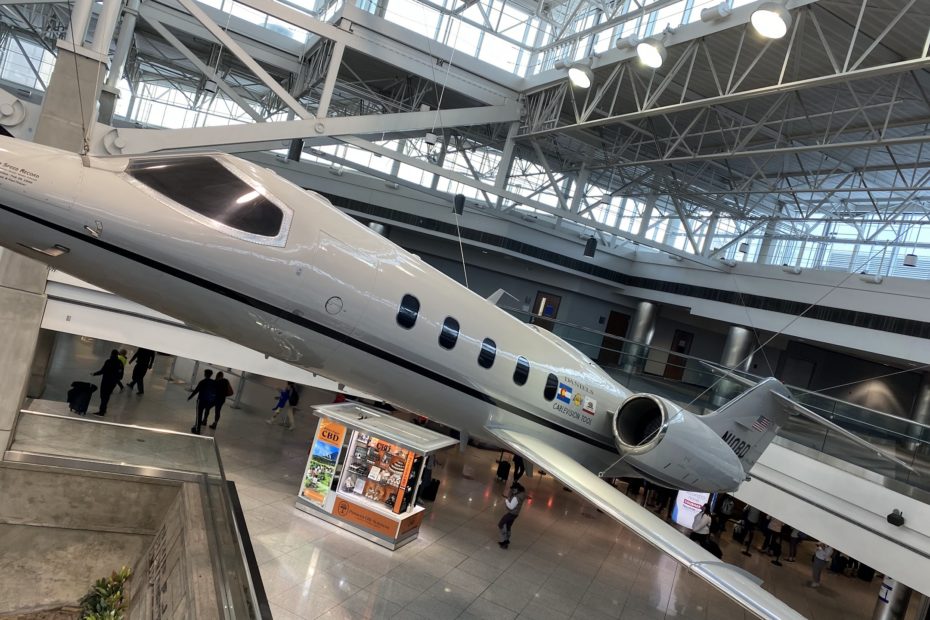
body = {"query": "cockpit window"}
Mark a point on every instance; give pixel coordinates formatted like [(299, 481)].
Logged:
[(207, 187)]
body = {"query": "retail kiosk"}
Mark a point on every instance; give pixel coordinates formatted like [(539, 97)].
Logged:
[(364, 469)]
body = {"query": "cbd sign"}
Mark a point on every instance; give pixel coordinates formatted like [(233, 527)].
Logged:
[(331, 432)]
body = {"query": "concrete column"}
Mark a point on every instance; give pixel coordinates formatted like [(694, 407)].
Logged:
[(767, 247), (920, 413), (709, 235), (40, 363), (110, 92), (22, 303), (80, 18), (893, 598), (737, 355), (68, 110), (70, 104), (647, 214), (106, 26), (639, 335), (237, 399), (195, 373)]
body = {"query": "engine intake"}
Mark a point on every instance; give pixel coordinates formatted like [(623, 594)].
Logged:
[(640, 423)]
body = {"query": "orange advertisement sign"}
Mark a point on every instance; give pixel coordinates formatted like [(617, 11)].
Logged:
[(321, 466), (410, 523), (367, 519), (330, 431)]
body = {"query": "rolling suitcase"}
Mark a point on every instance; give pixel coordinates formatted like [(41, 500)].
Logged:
[(503, 470), (79, 396), (713, 547), (739, 533), (429, 490)]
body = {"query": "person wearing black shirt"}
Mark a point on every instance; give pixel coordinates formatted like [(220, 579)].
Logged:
[(109, 374), (205, 393), (222, 389), (144, 359)]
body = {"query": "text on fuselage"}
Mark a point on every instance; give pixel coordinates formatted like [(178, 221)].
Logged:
[(739, 447)]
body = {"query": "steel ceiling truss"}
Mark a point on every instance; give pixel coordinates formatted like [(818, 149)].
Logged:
[(829, 123)]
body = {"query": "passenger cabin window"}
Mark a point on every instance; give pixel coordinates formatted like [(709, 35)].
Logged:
[(522, 371), (207, 187), (552, 384), (487, 354), (449, 334), (409, 309)]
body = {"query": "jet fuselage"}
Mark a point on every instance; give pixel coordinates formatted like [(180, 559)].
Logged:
[(329, 295)]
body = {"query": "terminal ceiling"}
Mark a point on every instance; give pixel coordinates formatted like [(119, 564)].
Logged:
[(826, 126)]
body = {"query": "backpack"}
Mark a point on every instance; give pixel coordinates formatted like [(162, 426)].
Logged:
[(294, 398), (726, 507)]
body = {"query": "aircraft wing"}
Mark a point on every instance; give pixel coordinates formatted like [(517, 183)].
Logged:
[(730, 580)]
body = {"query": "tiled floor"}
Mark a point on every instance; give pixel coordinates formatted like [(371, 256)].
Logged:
[(566, 560)]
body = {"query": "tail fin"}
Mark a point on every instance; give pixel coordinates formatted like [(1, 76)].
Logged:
[(748, 423)]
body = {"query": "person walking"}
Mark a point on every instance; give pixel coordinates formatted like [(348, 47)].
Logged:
[(821, 558), (109, 375), (222, 390), (122, 360), (793, 541), (700, 527), (778, 544), (514, 503), (772, 534), (205, 393), (143, 359), (288, 397), (519, 467), (751, 518)]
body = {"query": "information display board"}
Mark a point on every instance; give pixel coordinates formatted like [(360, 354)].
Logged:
[(687, 505), (321, 465)]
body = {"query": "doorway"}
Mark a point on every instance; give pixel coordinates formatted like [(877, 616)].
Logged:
[(611, 348), (545, 310), (675, 365)]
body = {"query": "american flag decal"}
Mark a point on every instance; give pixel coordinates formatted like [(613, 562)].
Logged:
[(761, 424)]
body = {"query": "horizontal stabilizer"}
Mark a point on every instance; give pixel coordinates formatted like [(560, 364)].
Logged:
[(723, 371), (803, 411), (730, 580), (496, 296)]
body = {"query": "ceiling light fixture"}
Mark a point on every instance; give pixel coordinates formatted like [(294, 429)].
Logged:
[(579, 74), (771, 20), (651, 53), (716, 13), (651, 50)]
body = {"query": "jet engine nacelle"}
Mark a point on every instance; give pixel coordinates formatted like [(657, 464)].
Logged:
[(673, 447), (641, 422)]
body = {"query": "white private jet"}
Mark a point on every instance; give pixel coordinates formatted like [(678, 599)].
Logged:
[(234, 249)]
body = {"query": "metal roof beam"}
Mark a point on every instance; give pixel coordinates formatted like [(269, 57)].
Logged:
[(127, 140)]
